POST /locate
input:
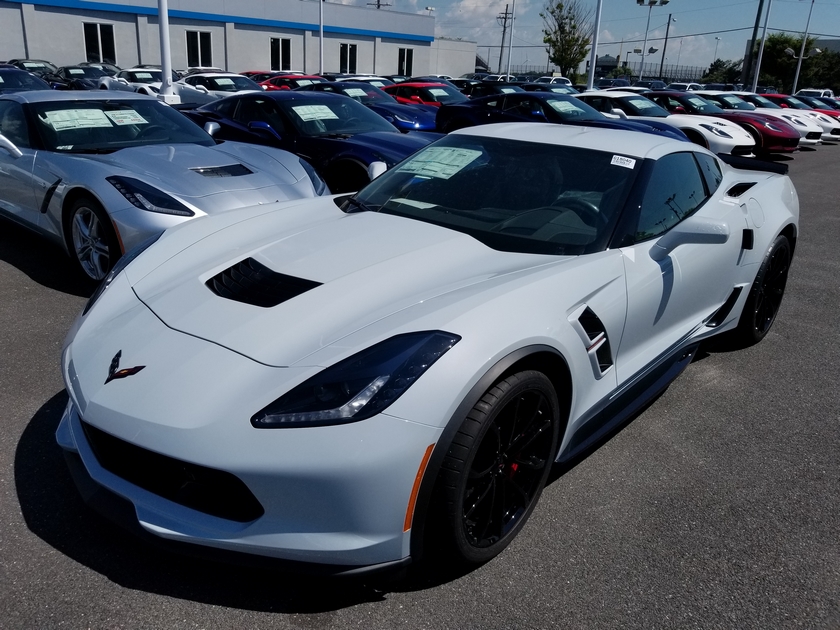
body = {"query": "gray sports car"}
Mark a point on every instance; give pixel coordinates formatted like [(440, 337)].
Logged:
[(102, 172)]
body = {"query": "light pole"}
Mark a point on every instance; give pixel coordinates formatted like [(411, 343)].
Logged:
[(802, 50), (665, 45), (717, 41), (679, 54), (761, 48), (813, 51), (593, 55), (650, 5)]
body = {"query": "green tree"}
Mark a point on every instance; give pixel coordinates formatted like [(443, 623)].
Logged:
[(778, 68), (723, 71), (567, 33)]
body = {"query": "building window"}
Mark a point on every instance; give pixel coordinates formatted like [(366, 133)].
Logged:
[(406, 63), (199, 50), (281, 54), (347, 58), (99, 43)]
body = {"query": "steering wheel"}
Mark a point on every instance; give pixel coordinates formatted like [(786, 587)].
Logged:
[(149, 131), (586, 210)]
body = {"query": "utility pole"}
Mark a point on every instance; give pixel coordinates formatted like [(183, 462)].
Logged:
[(665, 46), (745, 72), (379, 4), (502, 19)]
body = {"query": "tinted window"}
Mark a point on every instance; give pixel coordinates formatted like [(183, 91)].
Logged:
[(13, 124), (674, 191), (710, 169)]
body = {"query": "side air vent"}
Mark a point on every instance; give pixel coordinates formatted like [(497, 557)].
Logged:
[(251, 282), (234, 170), (593, 334), (739, 189), (719, 316)]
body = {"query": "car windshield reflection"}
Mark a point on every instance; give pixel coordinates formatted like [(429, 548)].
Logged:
[(332, 115), (510, 195)]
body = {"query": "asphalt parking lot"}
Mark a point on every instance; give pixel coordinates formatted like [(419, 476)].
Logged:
[(717, 507)]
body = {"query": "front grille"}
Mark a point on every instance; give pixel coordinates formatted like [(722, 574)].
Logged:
[(234, 170), (207, 490), (743, 150), (251, 282), (813, 135)]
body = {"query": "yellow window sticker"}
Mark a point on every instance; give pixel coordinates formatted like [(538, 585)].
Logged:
[(440, 162), (314, 112), (77, 119)]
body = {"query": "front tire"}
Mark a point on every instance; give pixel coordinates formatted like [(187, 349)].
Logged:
[(766, 294), (91, 239), (498, 465)]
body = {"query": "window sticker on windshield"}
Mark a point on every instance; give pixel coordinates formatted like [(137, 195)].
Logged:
[(625, 162), (224, 81), (440, 162), (76, 71), (314, 112), (437, 92), (377, 83), (126, 117), (355, 92), (143, 75), (643, 103), (508, 90), (1, 80), (34, 65), (77, 119), (565, 107), (302, 82)]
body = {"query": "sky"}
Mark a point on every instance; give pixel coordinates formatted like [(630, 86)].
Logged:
[(691, 40)]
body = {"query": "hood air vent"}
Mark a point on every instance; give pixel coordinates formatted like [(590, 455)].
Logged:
[(251, 282), (234, 170)]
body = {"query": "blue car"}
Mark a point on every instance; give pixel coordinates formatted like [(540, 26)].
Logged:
[(403, 117), (539, 107), (14, 80), (335, 134)]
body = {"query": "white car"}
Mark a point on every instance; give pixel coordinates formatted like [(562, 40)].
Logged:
[(830, 126), (809, 131), (220, 84), (562, 80), (716, 134), (329, 381)]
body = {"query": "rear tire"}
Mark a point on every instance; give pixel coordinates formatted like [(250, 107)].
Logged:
[(766, 294), (498, 465)]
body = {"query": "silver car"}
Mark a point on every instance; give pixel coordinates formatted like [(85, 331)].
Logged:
[(100, 172)]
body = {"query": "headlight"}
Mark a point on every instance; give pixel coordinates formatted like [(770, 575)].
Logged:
[(404, 119), (771, 127), (122, 263), (318, 184), (360, 386), (143, 196), (715, 130), (794, 120)]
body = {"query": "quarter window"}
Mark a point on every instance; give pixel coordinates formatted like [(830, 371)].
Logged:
[(347, 58), (199, 49), (711, 171), (675, 191), (99, 43)]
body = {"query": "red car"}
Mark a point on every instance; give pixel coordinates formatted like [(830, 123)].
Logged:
[(771, 134), (435, 94), (290, 81), (793, 102)]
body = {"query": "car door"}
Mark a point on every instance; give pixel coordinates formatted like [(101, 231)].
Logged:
[(17, 196), (671, 296)]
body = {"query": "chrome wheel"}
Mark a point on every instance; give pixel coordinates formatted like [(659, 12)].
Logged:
[(91, 240)]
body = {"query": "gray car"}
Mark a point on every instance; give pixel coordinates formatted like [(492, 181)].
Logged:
[(102, 172)]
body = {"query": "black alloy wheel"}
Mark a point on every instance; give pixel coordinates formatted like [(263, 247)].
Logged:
[(766, 294)]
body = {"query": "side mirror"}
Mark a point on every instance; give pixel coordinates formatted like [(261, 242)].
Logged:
[(375, 169), (784, 105), (415, 98), (212, 128), (618, 112), (263, 128), (679, 109), (201, 88), (10, 146), (693, 230)]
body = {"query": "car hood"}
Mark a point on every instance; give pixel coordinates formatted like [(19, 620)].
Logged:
[(177, 167), (387, 264), (420, 115), (737, 132)]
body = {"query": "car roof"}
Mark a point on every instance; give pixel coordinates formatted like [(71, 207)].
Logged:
[(632, 143), (612, 93), (56, 96), (418, 84)]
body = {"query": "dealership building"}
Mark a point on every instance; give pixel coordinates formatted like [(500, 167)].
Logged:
[(234, 36)]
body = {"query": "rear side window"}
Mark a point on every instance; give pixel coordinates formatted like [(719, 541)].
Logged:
[(710, 169)]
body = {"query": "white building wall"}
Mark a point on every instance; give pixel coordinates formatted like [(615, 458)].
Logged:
[(12, 45), (454, 57)]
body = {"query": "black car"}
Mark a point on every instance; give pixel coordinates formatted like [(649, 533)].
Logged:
[(556, 88), (35, 66), (608, 83), (76, 78), (14, 80), (538, 107), (337, 135), (487, 88), (651, 84)]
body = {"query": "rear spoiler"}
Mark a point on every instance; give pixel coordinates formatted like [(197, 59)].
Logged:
[(753, 164)]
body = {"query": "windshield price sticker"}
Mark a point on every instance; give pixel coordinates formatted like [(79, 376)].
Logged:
[(76, 71), (77, 119), (314, 112), (378, 84), (126, 117), (644, 104), (143, 75), (440, 162), (565, 107), (302, 82), (223, 81), (625, 162), (1, 80), (508, 90), (437, 92), (355, 92)]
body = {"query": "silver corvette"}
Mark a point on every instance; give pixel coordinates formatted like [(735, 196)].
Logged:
[(103, 172)]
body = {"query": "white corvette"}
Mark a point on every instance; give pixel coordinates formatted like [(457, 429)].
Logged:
[(716, 134), (331, 383)]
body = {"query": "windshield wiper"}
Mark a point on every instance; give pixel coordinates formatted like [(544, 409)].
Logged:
[(98, 151), (351, 204)]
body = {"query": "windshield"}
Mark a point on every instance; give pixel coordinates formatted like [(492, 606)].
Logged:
[(143, 76), (641, 106), (512, 196), (86, 73), (233, 83), (19, 81), (99, 126), (332, 115), (762, 101), (733, 102), (569, 109), (812, 102), (365, 94), (443, 94), (796, 103), (701, 105)]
